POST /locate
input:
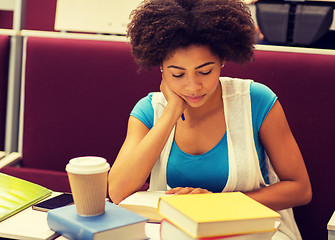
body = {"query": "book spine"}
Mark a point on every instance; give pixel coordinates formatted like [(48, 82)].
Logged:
[(69, 229)]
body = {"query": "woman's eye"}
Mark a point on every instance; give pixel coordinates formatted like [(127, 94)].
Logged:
[(178, 75), (206, 73)]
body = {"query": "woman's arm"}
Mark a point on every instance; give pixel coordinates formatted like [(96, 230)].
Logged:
[(294, 188), (142, 148), (138, 155)]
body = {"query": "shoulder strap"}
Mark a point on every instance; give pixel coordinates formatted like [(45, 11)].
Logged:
[(158, 180), (243, 158)]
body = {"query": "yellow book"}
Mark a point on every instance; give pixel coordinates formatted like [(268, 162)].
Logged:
[(17, 194), (217, 214), (169, 231)]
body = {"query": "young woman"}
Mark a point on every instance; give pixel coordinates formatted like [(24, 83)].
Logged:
[(205, 133)]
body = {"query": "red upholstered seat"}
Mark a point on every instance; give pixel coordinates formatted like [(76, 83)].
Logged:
[(55, 180), (77, 98)]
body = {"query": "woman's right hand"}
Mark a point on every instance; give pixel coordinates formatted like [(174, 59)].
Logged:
[(172, 97)]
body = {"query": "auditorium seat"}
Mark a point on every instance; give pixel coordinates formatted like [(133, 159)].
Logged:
[(77, 98)]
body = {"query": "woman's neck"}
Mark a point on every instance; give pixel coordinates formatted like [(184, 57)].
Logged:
[(212, 106)]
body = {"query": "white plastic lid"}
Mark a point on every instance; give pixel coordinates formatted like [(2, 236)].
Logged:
[(87, 165)]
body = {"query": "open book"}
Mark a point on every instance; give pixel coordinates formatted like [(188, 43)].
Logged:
[(144, 203)]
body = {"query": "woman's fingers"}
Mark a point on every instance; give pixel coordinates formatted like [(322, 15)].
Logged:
[(187, 190)]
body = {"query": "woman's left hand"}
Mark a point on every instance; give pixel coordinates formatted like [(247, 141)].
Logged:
[(187, 190)]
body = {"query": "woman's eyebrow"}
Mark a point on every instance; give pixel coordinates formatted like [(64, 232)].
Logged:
[(205, 64), (173, 66), (202, 65)]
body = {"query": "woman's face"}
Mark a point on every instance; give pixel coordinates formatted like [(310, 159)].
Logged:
[(193, 73)]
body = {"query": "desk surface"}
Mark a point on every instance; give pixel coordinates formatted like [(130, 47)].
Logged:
[(32, 224)]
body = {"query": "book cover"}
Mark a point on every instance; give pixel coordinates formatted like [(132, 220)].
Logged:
[(115, 223), (144, 203), (217, 214), (17, 194), (169, 231)]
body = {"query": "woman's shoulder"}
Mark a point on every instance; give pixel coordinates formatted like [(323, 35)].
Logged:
[(260, 89), (145, 100), (261, 92), (143, 110), (262, 99)]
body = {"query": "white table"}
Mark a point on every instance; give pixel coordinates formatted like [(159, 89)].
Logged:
[(31, 224)]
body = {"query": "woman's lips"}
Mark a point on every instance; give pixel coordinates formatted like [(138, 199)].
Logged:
[(194, 99)]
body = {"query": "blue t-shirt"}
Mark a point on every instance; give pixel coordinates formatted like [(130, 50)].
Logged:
[(210, 170)]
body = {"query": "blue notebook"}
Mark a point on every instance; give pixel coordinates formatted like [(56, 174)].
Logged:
[(116, 223)]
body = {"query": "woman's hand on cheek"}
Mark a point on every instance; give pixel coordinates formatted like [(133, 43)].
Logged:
[(172, 97), (187, 190)]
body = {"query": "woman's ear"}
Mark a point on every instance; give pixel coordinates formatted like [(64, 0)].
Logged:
[(161, 69)]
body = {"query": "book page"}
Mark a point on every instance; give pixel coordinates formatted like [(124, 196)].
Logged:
[(28, 224), (144, 198)]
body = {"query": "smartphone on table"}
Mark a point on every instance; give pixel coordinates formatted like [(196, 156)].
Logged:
[(54, 202)]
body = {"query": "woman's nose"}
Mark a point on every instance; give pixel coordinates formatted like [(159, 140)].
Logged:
[(193, 84)]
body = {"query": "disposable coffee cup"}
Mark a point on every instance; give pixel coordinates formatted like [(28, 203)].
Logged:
[(88, 182)]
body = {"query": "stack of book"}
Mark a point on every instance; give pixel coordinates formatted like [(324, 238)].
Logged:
[(216, 216)]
